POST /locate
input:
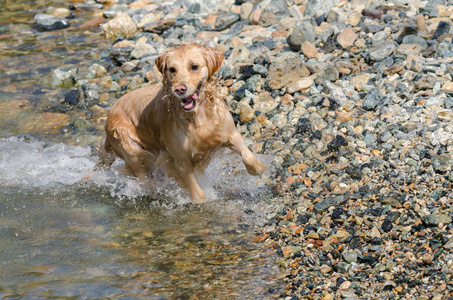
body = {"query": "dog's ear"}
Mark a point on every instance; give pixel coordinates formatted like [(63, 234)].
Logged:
[(161, 62), (214, 60)]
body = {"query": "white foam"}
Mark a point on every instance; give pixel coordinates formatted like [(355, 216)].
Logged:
[(31, 163)]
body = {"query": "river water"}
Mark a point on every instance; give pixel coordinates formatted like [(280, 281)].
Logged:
[(66, 238)]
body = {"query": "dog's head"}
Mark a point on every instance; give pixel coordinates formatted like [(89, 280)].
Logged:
[(186, 70)]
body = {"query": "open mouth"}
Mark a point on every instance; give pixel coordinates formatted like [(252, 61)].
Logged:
[(190, 102)]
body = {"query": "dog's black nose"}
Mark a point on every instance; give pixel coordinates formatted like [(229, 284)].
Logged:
[(180, 89)]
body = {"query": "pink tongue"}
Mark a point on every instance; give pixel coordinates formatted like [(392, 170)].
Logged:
[(188, 105), (189, 102)]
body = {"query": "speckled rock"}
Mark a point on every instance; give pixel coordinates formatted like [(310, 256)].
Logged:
[(122, 25), (286, 72)]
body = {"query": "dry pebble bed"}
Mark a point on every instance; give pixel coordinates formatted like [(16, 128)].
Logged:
[(352, 99)]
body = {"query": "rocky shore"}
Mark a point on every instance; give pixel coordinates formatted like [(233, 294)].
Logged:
[(352, 99)]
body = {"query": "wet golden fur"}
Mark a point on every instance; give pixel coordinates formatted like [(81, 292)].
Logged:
[(151, 127)]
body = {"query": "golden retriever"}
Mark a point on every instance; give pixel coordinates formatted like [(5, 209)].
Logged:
[(178, 124)]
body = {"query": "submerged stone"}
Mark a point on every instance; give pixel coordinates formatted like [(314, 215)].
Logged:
[(47, 22)]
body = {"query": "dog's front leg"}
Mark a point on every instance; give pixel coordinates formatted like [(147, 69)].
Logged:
[(253, 165), (186, 172)]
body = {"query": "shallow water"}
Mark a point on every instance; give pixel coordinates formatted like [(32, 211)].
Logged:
[(27, 55), (62, 237), (107, 237)]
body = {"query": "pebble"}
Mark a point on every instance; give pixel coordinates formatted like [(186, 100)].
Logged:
[(373, 13), (325, 269), (302, 33), (309, 50), (275, 11), (142, 50), (382, 50), (347, 38)]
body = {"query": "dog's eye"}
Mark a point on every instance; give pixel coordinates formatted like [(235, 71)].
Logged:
[(194, 67), (172, 70)]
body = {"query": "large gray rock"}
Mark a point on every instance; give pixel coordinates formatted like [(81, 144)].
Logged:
[(59, 78), (48, 22), (83, 97)]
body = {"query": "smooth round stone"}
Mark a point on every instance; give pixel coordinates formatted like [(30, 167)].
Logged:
[(47, 22)]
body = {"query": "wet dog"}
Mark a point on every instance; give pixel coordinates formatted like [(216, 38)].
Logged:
[(178, 124)]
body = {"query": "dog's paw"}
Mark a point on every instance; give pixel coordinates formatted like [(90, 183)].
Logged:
[(199, 199), (257, 168)]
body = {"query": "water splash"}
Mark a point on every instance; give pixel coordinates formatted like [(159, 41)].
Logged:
[(31, 163)]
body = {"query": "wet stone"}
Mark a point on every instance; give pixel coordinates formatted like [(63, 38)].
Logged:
[(142, 50), (60, 78), (83, 97), (82, 125), (114, 10), (46, 22), (122, 25)]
